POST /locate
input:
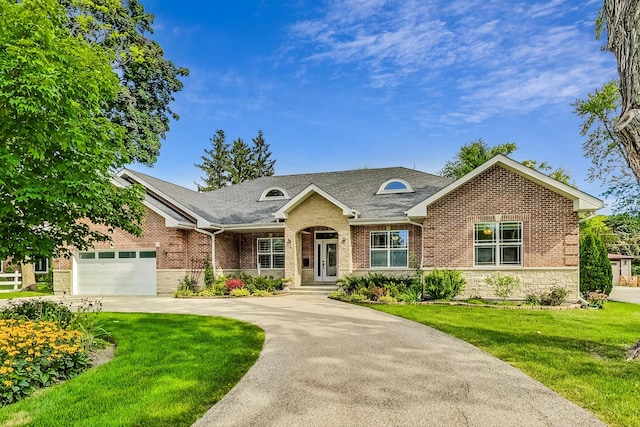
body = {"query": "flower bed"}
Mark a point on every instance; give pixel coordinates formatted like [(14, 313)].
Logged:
[(37, 354)]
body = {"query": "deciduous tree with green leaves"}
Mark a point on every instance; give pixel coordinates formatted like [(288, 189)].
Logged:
[(148, 80), (478, 152), (59, 145), (621, 21), (608, 156)]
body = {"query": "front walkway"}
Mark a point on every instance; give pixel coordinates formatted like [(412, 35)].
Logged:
[(327, 363)]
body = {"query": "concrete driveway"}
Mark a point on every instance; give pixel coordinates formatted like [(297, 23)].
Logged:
[(327, 363), (625, 294)]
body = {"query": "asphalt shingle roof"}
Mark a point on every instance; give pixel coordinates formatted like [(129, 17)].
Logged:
[(240, 204)]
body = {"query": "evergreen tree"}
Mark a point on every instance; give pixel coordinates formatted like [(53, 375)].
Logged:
[(262, 163), (216, 164), (595, 268), (241, 164)]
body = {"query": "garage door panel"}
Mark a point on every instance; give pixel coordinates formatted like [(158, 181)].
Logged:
[(117, 276)]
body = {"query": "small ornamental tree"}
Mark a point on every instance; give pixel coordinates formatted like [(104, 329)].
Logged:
[(595, 269)]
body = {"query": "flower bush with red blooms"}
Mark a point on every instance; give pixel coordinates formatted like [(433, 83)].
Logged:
[(234, 284)]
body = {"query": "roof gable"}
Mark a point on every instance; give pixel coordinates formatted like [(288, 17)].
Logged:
[(582, 202), (283, 212)]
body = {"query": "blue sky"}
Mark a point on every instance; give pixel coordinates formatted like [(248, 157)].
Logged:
[(342, 84)]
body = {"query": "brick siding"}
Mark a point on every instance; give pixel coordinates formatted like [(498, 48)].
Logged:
[(550, 226), (361, 239)]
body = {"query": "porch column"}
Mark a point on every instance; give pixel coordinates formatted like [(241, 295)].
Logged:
[(291, 255)]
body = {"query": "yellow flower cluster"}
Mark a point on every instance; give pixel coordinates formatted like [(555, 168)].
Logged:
[(33, 343)]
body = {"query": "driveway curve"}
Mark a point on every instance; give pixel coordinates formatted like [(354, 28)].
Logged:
[(327, 363)]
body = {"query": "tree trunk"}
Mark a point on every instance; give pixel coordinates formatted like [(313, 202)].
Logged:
[(623, 40), (28, 277)]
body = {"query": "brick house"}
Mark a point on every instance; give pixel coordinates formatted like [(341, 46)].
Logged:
[(316, 228)]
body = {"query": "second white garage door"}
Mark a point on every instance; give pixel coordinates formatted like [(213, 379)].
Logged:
[(117, 272)]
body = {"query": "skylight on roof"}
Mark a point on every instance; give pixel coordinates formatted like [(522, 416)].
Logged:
[(395, 186), (274, 193)]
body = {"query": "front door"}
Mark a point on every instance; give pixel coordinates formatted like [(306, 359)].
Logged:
[(326, 267)]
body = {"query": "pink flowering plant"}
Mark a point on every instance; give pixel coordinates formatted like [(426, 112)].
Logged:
[(597, 299)]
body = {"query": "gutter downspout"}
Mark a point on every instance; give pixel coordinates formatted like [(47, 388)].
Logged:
[(213, 245)]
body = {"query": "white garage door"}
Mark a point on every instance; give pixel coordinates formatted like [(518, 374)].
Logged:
[(117, 272)]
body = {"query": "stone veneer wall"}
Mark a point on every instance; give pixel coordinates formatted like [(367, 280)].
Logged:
[(312, 212)]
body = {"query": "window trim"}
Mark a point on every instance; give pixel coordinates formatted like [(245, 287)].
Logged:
[(408, 189), (497, 245), (271, 253), (264, 196), (387, 249)]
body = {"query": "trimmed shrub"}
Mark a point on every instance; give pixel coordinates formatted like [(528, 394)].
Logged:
[(357, 298), (444, 284), (261, 293), (387, 299), (233, 284), (339, 295), (597, 299), (503, 286), (596, 274), (239, 292), (555, 296)]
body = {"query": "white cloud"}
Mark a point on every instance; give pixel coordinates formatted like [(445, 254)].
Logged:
[(495, 57)]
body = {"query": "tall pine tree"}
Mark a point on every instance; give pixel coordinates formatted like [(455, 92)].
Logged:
[(224, 165), (215, 164), (241, 165), (263, 165)]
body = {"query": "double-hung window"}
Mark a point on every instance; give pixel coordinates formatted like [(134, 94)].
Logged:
[(271, 252), (498, 244), (389, 248)]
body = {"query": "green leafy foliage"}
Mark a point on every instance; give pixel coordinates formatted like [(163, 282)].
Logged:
[(147, 80), (503, 285), (595, 268), (38, 310), (374, 285), (209, 277), (556, 296), (240, 292), (603, 147), (444, 284), (215, 164), (59, 142), (478, 152)]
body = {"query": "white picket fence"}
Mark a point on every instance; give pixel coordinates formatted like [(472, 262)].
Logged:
[(16, 282)]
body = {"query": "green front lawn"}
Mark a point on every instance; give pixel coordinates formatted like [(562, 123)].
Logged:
[(168, 371), (42, 291), (578, 353)]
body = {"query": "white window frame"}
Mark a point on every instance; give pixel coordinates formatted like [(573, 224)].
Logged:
[(408, 188), (264, 196), (388, 248), (271, 253), (497, 244)]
